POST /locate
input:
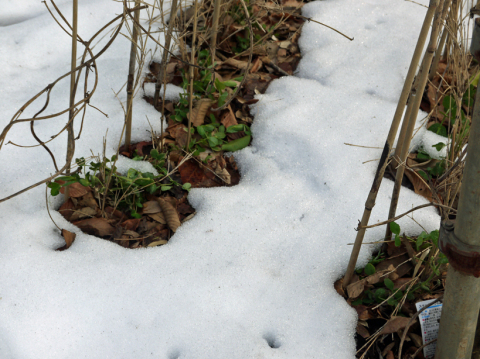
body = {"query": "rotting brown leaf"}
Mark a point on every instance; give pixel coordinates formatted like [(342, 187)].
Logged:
[(199, 111)]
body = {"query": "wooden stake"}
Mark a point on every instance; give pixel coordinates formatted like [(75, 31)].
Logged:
[(131, 72), (71, 113), (370, 203)]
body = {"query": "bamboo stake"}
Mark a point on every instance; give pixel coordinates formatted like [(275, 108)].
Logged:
[(192, 60), (71, 113), (438, 53), (131, 71), (168, 38), (452, 21), (216, 15), (370, 203), (409, 122)]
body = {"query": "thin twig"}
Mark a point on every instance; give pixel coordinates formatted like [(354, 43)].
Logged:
[(404, 214), (423, 346)]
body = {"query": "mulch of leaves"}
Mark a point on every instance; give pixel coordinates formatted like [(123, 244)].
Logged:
[(384, 294), (275, 54)]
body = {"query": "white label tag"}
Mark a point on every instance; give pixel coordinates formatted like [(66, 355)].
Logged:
[(429, 323)]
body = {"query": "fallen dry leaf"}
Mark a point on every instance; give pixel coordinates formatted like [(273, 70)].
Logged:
[(394, 324), (132, 234), (95, 226), (66, 210), (170, 214), (417, 339), (224, 175), (69, 239), (402, 283), (114, 212), (158, 243), (228, 119), (236, 63), (362, 331), (355, 289), (191, 172), (419, 185), (363, 312), (293, 4), (88, 201), (181, 136), (199, 111), (81, 213), (75, 190), (219, 166), (131, 224), (159, 217), (151, 207), (338, 285), (257, 64)]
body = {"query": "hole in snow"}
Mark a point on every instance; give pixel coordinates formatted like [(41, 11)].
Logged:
[(175, 354), (272, 341)]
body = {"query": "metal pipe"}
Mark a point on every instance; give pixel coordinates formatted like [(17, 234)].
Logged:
[(461, 304)]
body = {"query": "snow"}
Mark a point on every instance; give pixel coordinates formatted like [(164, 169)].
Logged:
[(251, 275)]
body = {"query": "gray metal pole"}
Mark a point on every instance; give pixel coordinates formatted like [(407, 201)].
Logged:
[(461, 243)]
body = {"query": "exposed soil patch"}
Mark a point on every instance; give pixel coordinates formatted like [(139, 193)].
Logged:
[(143, 209)]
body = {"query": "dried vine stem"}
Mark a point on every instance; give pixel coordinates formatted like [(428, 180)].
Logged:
[(308, 19), (90, 63), (163, 47)]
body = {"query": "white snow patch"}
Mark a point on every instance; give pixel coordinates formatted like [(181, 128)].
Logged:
[(251, 275)]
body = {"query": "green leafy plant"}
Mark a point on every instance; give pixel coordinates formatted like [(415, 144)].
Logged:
[(126, 192), (385, 291)]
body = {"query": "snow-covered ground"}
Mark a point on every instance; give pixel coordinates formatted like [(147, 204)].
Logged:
[(251, 275)]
